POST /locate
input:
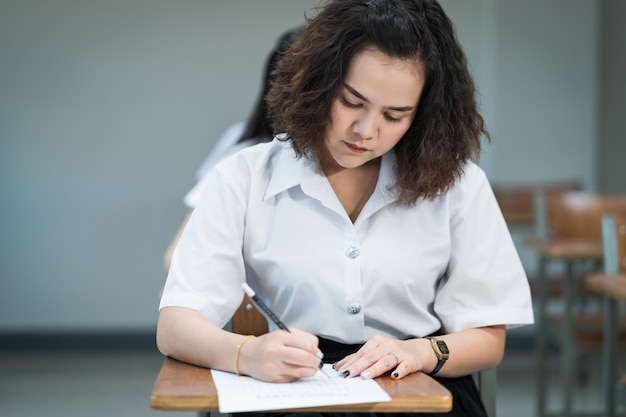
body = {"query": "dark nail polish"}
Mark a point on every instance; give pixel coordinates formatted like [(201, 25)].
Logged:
[(345, 374), (395, 374), (334, 366), (321, 365)]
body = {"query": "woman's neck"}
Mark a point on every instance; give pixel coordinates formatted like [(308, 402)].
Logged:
[(354, 186)]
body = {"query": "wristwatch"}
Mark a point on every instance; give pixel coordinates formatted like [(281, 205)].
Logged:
[(442, 352)]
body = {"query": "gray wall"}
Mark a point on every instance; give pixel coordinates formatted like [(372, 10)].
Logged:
[(108, 107), (611, 166), (546, 71)]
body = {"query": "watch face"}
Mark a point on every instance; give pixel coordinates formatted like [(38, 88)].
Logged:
[(442, 347)]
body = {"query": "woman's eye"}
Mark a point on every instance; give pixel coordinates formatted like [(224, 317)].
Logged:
[(349, 104), (391, 119)]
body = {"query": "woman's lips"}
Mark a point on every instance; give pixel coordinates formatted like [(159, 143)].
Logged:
[(355, 148)]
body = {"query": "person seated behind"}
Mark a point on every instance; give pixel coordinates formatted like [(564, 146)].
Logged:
[(256, 129), (366, 226)]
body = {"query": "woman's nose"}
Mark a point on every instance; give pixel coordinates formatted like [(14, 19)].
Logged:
[(366, 125)]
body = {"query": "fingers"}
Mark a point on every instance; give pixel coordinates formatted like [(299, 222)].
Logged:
[(378, 356), (387, 363), (282, 356), (304, 350), (304, 340), (351, 359)]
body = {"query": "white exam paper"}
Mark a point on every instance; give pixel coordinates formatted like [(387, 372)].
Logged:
[(243, 393)]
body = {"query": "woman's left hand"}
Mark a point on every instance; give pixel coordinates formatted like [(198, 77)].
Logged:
[(378, 355)]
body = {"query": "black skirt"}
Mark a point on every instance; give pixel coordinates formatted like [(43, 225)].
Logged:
[(466, 400)]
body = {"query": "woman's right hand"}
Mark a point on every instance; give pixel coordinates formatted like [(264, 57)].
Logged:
[(280, 356)]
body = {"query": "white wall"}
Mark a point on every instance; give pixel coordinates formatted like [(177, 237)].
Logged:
[(108, 107)]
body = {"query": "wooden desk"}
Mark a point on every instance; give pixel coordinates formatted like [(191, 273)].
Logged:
[(611, 286), (575, 249), (183, 387)]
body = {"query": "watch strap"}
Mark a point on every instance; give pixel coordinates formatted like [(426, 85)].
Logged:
[(441, 358)]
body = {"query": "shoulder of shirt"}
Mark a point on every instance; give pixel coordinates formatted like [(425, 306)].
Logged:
[(273, 165), (265, 156), (472, 184), (252, 151), (472, 171)]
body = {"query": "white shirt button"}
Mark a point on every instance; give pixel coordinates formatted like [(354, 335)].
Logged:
[(354, 308), (353, 252)]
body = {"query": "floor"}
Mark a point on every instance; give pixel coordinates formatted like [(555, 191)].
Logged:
[(118, 382)]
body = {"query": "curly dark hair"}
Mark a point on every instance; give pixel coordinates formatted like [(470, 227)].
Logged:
[(447, 128)]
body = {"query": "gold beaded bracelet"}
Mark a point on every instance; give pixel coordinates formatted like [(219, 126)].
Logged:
[(245, 339)]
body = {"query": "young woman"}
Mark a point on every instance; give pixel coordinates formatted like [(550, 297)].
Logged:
[(365, 226)]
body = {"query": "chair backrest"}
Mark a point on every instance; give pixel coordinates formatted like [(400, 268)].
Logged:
[(577, 214), (517, 202), (247, 319)]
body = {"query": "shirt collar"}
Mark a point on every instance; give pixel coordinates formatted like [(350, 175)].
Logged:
[(290, 171)]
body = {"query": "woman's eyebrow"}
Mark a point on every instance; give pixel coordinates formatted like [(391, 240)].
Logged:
[(361, 97)]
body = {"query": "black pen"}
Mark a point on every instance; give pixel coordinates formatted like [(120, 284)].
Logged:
[(261, 305), (265, 309)]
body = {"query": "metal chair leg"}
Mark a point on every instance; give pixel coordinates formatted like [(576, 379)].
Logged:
[(541, 339), (609, 357), (567, 341), (487, 382)]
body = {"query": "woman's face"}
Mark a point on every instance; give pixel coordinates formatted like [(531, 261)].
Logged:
[(374, 108)]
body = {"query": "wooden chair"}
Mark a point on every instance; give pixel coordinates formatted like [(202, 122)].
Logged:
[(517, 202), (612, 285), (522, 206), (572, 237), (248, 320)]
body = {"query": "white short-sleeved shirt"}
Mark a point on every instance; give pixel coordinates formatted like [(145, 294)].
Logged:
[(400, 271)]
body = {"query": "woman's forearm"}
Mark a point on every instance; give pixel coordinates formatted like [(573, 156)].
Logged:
[(185, 334), (280, 356), (471, 350)]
